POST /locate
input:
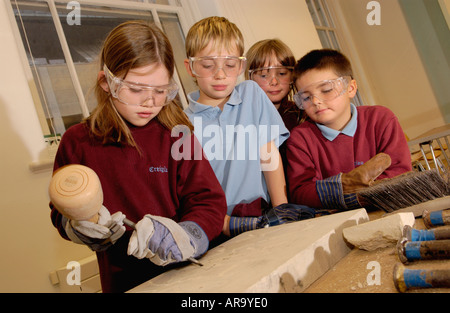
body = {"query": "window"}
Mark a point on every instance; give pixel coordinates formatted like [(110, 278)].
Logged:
[(324, 24), (326, 30), (62, 40)]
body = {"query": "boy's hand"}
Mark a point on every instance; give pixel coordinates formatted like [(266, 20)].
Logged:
[(285, 213), (363, 176)]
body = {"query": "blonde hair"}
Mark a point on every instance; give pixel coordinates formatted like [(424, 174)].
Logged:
[(218, 30), (131, 45)]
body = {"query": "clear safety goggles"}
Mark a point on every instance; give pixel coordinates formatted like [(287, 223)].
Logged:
[(208, 66), (266, 75), (326, 90), (132, 93)]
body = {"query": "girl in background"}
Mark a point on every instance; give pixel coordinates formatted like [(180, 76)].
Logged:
[(270, 63)]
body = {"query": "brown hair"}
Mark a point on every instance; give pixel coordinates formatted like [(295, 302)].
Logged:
[(323, 59), (264, 50), (218, 30), (131, 45)]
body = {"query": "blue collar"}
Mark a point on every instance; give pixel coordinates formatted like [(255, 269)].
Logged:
[(197, 107), (349, 129)]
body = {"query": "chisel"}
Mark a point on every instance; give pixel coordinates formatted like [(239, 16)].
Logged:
[(409, 251), (436, 218), (438, 233), (406, 279)]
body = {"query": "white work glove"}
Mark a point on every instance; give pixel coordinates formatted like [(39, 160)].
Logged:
[(163, 241), (97, 236)]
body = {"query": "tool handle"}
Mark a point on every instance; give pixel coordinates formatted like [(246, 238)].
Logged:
[(423, 250), (439, 233), (405, 279), (129, 223), (436, 218)]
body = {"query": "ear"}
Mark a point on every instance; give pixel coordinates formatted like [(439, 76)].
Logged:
[(188, 67), (102, 81), (352, 88)]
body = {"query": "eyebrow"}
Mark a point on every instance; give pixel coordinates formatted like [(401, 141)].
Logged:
[(319, 84)]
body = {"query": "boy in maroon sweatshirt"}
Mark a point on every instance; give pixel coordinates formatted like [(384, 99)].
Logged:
[(330, 151)]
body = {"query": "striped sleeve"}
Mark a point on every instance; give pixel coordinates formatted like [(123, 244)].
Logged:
[(332, 196)]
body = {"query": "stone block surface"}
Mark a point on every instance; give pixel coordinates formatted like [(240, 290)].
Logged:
[(379, 233), (284, 258)]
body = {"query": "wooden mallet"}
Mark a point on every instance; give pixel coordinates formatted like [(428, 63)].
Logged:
[(76, 192)]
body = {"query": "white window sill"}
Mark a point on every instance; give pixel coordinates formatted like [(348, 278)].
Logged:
[(41, 166)]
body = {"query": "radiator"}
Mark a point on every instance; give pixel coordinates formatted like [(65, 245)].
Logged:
[(80, 276)]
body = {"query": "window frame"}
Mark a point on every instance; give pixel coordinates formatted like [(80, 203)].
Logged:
[(52, 140), (332, 26)]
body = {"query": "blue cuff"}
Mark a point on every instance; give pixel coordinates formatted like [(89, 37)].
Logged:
[(198, 238), (332, 196), (330, 192), (239, 225)]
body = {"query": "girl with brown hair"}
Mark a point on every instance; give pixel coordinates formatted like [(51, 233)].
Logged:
[(127, 141)]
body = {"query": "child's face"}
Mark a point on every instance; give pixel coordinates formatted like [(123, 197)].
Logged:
[(139, 115), (334, 113), (275, 82), (216, 89)]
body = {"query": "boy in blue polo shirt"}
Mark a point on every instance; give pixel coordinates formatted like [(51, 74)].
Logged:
[(237, 125)]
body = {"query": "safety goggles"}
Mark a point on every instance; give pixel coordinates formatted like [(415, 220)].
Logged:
[(132, 93), (208, 66), (266, 75), (326, 90)]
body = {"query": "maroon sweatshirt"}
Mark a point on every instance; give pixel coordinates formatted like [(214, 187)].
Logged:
[(152, 182), (311, 157)]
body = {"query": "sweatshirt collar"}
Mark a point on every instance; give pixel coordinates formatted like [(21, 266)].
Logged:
[(349, 129)]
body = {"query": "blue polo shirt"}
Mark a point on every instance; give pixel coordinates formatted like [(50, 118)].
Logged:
[(232, 138)]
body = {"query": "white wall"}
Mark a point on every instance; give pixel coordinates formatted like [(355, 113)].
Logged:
[(31, 248), (288, 20), (391, 65)]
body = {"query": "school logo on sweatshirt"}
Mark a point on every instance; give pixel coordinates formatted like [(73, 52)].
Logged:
[(157, 169)]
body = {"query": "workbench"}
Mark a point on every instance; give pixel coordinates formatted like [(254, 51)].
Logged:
[(350, 274), (307, 256)]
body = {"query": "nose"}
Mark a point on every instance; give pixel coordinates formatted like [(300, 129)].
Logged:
[(220, 73), (149, 102), (273, 81), (315, 100)]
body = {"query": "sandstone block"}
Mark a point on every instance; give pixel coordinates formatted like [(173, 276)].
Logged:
[(379, 233), (284, 258)]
